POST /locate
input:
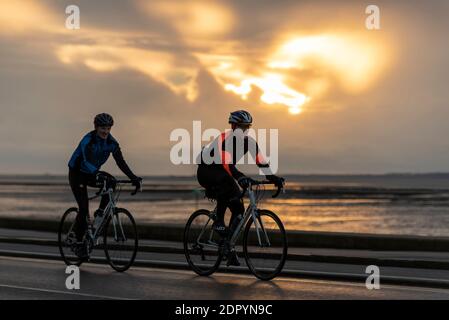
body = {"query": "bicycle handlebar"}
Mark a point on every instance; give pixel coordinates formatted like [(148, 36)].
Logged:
[(254, 182), (279, 189), (137, 189), (124, 181)]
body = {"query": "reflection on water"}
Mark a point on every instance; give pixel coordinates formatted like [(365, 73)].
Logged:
[(417, 215)]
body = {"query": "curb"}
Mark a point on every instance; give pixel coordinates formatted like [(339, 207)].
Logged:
[(400, 263), (305, 239)]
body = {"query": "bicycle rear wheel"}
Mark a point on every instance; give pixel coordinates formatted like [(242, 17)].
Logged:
[(120, 240), (265, 245), (202, 245), (67, 238)]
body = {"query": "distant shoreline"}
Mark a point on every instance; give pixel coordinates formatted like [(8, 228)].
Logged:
[(333, 183), (443, 175)]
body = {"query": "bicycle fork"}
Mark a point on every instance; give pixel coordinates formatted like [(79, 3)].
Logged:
[(260, 227), (116, 221)]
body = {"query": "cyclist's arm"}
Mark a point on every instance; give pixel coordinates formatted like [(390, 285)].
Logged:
[(260, 158), (261, 162), (121, 163)]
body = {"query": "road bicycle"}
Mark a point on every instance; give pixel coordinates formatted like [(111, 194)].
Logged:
[(264, 238), (116, 227)]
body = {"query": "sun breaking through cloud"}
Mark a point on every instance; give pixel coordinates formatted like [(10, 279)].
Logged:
[(281, 73)]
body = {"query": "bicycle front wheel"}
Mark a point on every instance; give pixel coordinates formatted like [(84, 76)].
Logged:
[(265, 245), (202, 245), (120, 240), (67, 238)]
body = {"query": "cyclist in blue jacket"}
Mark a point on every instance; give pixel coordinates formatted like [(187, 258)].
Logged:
[(84, 169)]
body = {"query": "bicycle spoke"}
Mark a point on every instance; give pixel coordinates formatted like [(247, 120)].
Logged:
[(120, 240), (264, 231), (201, 244), (265, 259), (67, 237)]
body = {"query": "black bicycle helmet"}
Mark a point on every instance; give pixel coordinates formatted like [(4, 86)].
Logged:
[(240, 117), (103, 120)]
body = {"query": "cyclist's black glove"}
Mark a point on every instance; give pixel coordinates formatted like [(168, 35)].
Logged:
[(277, 181), (244, 182), (137, 182)]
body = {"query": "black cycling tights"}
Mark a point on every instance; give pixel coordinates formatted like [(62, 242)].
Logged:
[(79, 182), (225, 189)]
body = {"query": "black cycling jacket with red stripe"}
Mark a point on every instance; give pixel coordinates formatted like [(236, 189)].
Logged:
[(231, 149)]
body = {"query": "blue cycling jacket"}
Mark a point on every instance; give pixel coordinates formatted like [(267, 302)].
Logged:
[(92, 152)]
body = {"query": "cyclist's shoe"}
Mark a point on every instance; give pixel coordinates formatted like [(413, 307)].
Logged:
[(233, 259), (80, 250), (220, 228)]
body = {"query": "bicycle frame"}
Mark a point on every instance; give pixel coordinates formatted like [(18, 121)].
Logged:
[(250, 213), (110, 208)]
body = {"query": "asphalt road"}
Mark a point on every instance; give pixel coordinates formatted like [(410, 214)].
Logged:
[(300, 266), (22, 278)]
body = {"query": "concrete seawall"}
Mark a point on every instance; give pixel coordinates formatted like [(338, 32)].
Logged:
[(312, 239)]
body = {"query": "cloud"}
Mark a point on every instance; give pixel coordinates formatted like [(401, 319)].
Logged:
[(20, 16), (193, 19), (204, 32), (355, 60), (278, 71), (158, 65)]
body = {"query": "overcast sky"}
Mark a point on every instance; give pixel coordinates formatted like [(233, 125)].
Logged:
[(345, 99)]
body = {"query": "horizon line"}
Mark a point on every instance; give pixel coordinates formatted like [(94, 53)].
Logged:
[(285, 174)]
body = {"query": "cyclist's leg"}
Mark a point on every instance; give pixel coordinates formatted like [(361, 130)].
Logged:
[(230, 191), (221, 210), (235, 201), (235, 204), (210, 177), (229, 196), (78, 185), (237, 209)]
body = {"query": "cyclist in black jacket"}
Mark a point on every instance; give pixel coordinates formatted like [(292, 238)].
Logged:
[(219, 177)]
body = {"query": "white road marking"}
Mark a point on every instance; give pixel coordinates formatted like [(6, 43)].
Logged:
[(63, 292)]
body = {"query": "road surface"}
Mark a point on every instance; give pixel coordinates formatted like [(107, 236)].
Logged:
[(23, 278)]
